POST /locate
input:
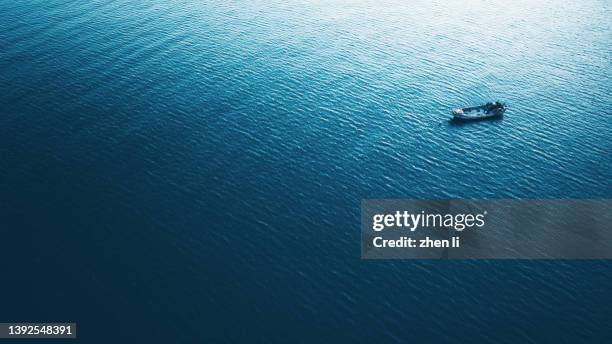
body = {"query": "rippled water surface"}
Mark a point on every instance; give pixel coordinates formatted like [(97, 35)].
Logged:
[(195, 168)]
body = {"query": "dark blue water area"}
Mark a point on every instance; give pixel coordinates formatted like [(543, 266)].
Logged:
[(189, 171)]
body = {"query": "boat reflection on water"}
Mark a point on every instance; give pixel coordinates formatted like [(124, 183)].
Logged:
[(461, 122)]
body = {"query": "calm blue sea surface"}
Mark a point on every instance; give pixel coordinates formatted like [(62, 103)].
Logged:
[(192, 171)]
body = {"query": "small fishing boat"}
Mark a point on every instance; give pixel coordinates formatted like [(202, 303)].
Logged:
[(487, 110)]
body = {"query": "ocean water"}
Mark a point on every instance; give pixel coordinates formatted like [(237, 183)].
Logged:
[(192, 171)]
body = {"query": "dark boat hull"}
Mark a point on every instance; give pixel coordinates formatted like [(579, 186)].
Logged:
[(477, 112)]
